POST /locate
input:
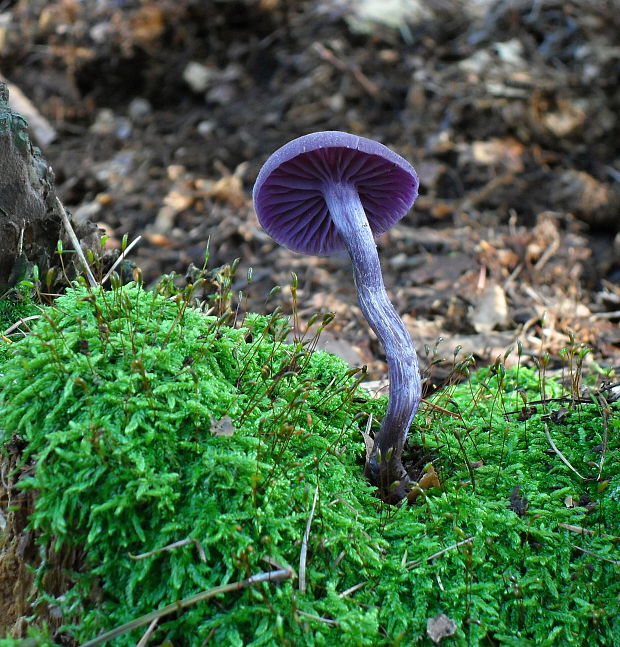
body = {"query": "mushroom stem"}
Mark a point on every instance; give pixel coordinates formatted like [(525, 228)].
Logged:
[(384, 465)]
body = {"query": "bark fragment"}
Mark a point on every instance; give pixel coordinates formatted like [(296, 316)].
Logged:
[(30, 222)]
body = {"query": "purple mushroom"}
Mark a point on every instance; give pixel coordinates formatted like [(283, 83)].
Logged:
[(329, 191)]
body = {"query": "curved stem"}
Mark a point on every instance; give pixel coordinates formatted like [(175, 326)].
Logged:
[(384, 465)]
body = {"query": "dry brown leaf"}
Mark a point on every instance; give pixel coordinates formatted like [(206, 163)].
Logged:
[(440, 627), (429, 480), (159, 240), (222, 427), (490, 310), (229, 189), (568, 117), (506, 153), (148, 23)]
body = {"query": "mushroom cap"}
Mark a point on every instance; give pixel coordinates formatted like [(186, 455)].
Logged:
[(289, 191)]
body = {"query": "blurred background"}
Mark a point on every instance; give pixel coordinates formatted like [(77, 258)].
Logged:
[(157, 115)]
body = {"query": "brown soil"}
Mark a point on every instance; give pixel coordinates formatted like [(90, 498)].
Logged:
[(165, 110)]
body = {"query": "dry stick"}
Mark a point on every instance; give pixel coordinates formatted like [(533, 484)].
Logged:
[(354, 70), (148, 633), (577, 529), (304, 546), (76, 244), (560, 455), (547, 254), (549, 401), (268, 576), (17, 324), (590, 552), (606, 315), (415, 563), (435, 407), (473, 199), (121, 258), (587, 531)]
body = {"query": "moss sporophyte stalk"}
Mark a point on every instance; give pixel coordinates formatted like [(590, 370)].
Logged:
[(170, 453)]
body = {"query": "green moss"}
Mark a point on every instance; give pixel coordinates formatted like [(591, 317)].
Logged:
[(13, 306), (151, 423), (37, 637)]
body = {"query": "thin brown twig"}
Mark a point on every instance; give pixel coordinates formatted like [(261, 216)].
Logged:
[(577, 529), (268, 576), (354, 70), (586, 531), (477, 196), (570, 400), (435, 407), (547, 254)]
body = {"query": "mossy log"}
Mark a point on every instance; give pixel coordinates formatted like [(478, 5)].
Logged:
[(30, 228), (30, 220)]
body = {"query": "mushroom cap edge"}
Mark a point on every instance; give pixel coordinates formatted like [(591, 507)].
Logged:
[(388, 188)]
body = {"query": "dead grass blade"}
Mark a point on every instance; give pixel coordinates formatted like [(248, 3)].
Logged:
[(560, 455), (176, 544), (76, 244), (303, 555), (418, 562), (268, 576), (121, 258), (148, 633), (17, 324)]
